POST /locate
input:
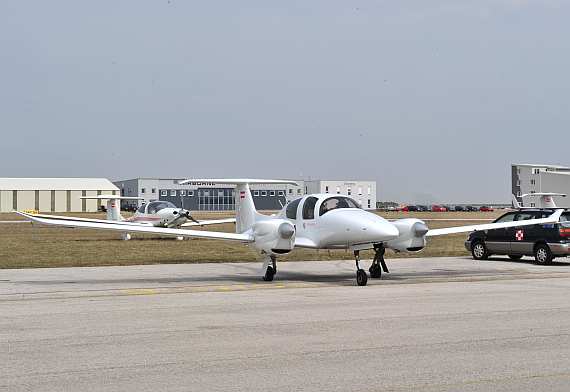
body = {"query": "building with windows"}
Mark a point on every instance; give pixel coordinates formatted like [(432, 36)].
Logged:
[(364, 192), (53, 194), (221, 197), (529, 179)]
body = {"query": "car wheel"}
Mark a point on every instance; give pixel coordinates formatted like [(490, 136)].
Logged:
[(479, 251), (542, 254)]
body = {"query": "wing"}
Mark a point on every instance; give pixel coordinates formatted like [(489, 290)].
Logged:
[(305, 243), (134, 228), (209, 222), (490, 226)]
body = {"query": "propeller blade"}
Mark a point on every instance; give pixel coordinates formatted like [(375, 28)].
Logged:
[(189, 217)]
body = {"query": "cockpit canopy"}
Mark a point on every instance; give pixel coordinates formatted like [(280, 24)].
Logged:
[(328, 204), (332, 203), (154, 206)]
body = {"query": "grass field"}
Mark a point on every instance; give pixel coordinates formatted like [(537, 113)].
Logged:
[(60, 247)]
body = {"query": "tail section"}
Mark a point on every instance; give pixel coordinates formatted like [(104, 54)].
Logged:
[(113, 205), (246, 214), (546, 199)]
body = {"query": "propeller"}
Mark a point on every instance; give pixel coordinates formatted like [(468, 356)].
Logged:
[(186, 213)]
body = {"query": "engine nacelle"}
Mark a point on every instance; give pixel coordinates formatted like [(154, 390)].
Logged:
[(274, 236), (412, 236)]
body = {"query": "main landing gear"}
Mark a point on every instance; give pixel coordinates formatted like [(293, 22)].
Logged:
[(268, 271), (378, 265)]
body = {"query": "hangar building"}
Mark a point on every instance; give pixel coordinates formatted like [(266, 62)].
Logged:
[(529, 179), (52, 194), (220, 197)]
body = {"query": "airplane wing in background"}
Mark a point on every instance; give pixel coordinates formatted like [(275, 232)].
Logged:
[(82, 223), (209, 222), (491, 226)]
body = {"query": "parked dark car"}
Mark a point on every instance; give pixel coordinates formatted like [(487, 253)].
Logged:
[(410, 208), (461, 208), (471, 208), (544, 242), (448, 208), (423, 208)]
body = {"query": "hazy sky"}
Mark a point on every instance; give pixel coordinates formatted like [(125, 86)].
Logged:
[(425, 97)]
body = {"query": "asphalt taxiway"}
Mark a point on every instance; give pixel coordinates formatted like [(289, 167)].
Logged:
[(445, 324)]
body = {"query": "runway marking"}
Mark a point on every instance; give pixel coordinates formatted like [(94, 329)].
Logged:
[(118, 293), (418, 388), (190, 289), (551, 274)]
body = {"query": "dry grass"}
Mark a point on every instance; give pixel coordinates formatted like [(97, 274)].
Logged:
[(59, 247)]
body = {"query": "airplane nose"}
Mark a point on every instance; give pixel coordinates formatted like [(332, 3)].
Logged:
[(382, 231)]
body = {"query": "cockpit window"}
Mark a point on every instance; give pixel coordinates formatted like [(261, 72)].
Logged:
[(156, 206), (309, 207), (142, 208), (291, 210), (332, 203)]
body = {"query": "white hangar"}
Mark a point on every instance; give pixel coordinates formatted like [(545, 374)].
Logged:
[(53, 194)]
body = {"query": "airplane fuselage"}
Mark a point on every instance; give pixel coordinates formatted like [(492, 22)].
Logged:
[(333, 221), (159, 214)]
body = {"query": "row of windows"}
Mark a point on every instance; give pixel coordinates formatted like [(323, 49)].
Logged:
[(173, 193), (349, 190), (205, 192), (255, 193), (532, 182), (271, 193)]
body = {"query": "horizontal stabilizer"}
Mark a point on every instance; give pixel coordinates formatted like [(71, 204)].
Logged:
[(108, 197)]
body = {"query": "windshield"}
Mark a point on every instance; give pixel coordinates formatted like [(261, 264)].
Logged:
[(156, 206), (332, 203), (291, 210)]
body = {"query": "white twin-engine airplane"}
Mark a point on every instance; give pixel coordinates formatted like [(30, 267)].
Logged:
[(155, 213), (318, 221)]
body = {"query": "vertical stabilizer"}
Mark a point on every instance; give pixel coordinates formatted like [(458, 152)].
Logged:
[(113, 210), (246, 214)]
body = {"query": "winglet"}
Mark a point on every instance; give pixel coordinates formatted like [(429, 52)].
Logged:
[(556, 215)]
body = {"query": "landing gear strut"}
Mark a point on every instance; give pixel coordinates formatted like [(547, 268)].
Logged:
[(268, 271), (378, 264), (361, 277)]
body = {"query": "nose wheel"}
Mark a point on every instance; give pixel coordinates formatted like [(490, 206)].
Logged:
[(361, 277)]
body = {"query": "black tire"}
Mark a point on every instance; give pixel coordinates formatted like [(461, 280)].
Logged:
[(479, 250), (361, 277), (515, 257), (375, 271), (542, 254), (269, 274)]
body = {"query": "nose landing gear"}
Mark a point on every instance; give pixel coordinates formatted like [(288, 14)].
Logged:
[(378, 265)]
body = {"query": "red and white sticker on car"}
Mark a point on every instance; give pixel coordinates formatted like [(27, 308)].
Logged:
[(520, 234)]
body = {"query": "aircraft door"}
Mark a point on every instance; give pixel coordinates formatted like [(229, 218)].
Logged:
[(308, 215)]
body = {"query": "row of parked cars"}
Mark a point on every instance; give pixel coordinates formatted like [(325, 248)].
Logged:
[(441, 208)]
